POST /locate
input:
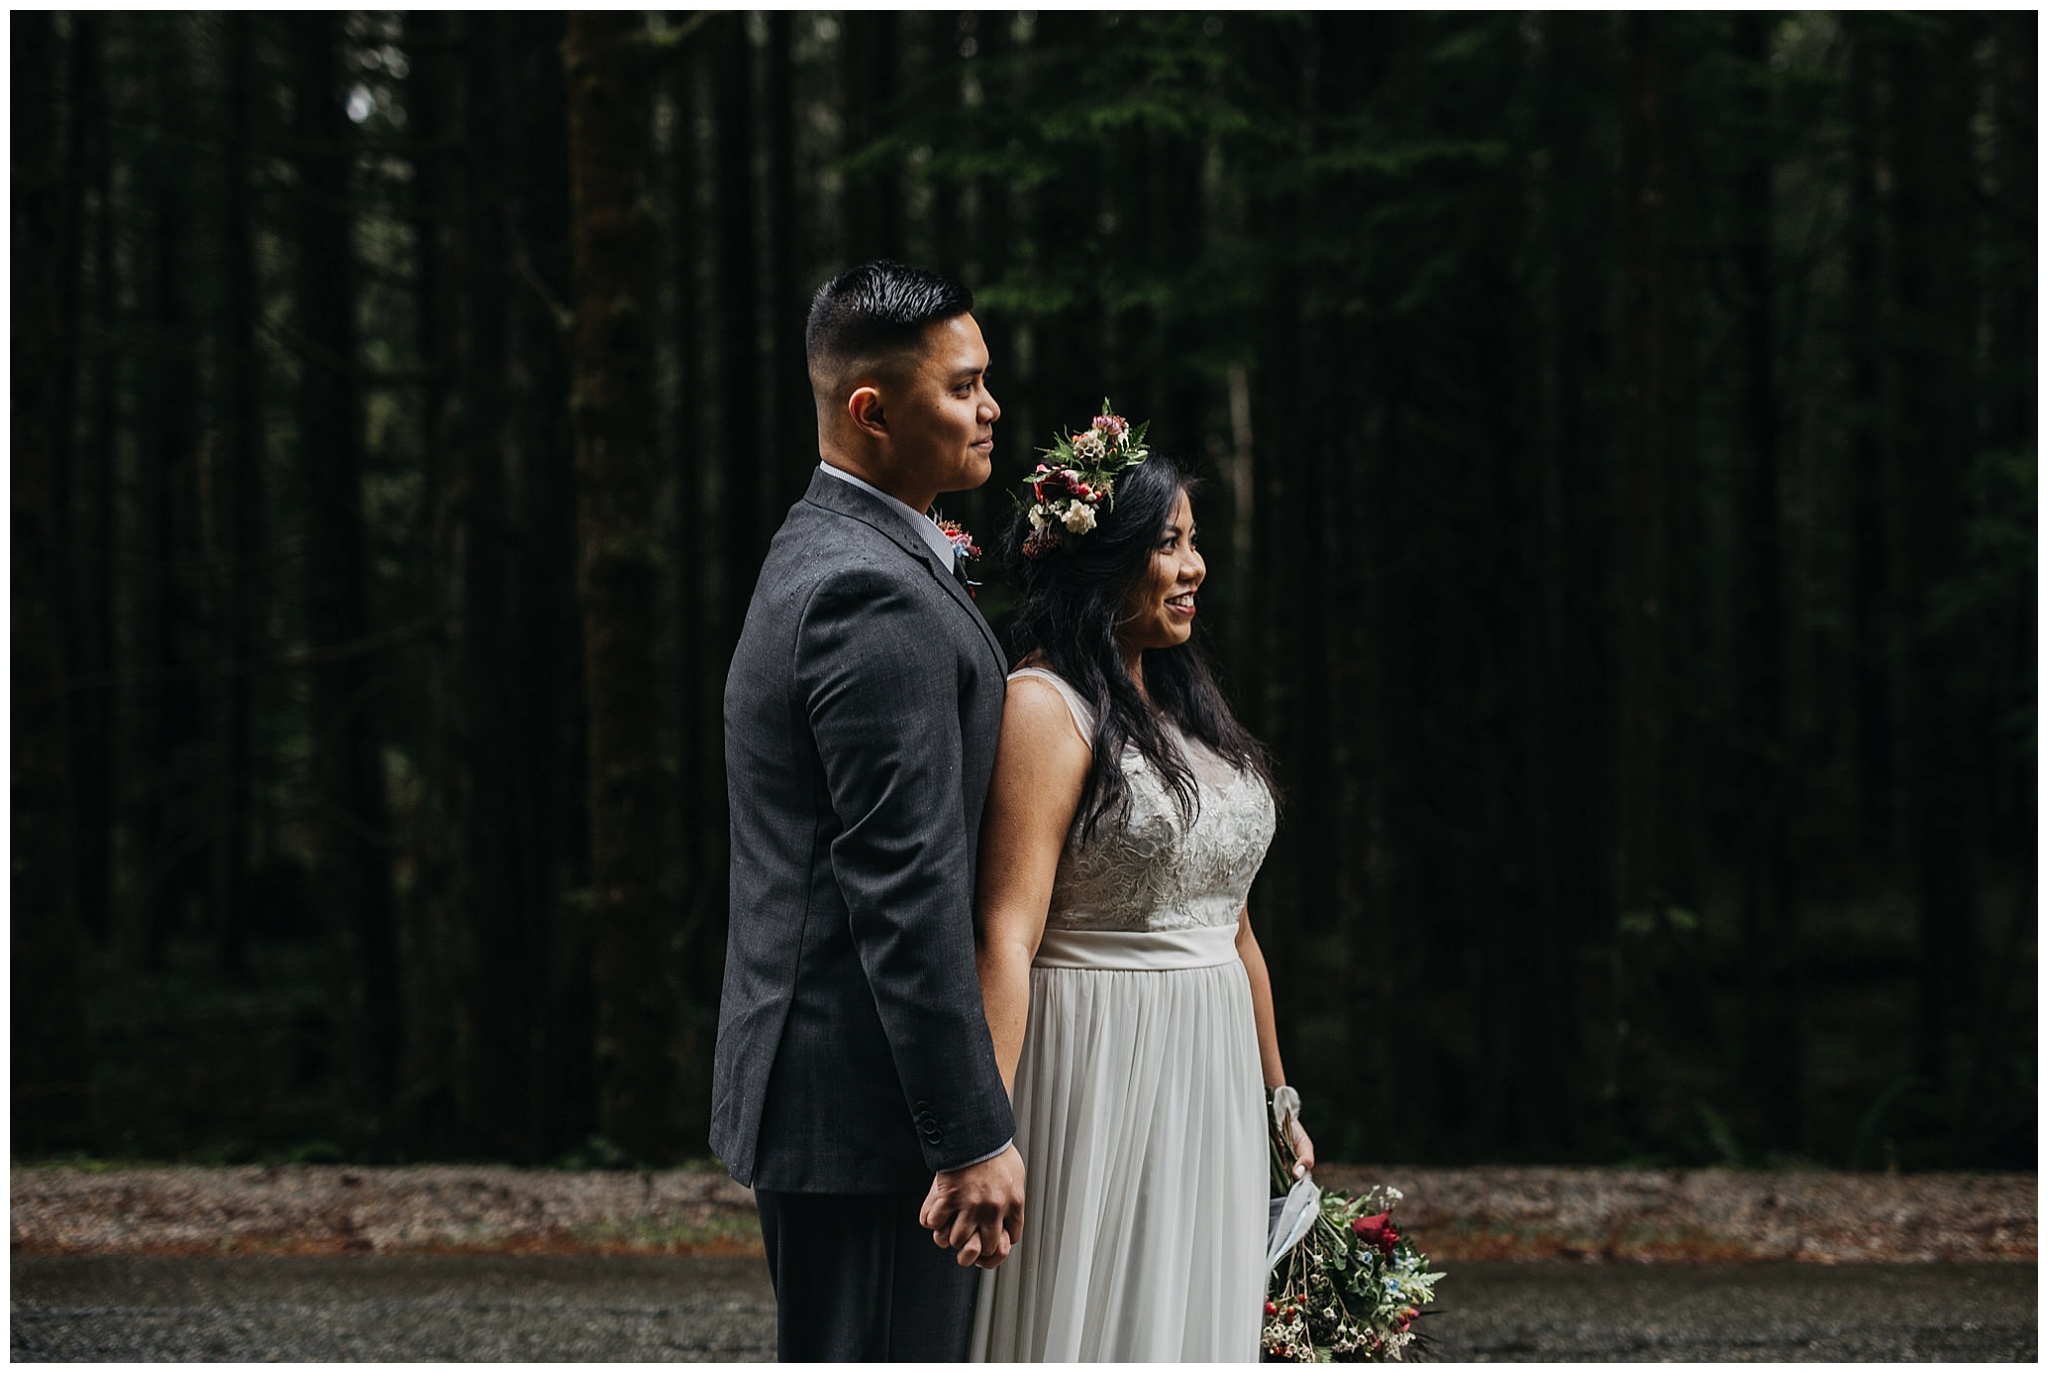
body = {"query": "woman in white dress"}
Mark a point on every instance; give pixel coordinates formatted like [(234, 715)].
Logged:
[(1125, 991)]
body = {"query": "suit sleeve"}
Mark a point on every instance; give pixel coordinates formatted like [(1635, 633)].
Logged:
[(876, 672)]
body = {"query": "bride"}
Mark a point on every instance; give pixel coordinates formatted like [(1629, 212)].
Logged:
[(1125, 991)]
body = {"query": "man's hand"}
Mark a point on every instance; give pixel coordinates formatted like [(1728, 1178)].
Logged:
[(978, 1211)]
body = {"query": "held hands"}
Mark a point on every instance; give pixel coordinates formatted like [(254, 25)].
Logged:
[(978, 1211)]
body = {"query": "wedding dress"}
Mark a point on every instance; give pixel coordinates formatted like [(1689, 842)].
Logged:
[(1139, 1099)]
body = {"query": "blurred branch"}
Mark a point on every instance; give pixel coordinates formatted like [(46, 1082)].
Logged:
[(667, 41), (564, 317)]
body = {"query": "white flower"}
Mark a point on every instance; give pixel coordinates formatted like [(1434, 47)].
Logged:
[(1079, 518), (1090, 448), (1039, 516)]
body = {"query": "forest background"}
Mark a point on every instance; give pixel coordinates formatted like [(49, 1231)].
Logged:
[(1619, 433)]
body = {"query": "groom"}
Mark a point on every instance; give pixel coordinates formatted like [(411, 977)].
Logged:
[(855, 1088)]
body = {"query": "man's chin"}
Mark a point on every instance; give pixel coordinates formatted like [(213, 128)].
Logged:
[(975, 473)]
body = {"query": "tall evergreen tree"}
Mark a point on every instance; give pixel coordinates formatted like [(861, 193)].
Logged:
[(1772, 1055), (352, 864), (52, 1098), (610, 405)]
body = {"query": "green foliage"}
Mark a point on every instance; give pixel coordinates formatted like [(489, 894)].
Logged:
[(597, 1154), (1721, 1136)]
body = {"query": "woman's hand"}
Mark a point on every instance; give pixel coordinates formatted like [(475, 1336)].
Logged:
[(1304, 1150)]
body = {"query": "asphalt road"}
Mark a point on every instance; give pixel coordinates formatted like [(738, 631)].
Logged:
[(676, 1309)]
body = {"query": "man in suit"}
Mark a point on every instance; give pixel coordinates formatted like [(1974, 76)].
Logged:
[(855, 1087)]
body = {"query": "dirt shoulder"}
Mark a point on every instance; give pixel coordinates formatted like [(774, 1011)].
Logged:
[(1673, 1215)]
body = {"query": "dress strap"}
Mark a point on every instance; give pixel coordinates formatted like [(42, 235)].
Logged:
[(1084, 718)]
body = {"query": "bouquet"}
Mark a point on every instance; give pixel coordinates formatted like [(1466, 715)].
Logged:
[(1346, 1285)]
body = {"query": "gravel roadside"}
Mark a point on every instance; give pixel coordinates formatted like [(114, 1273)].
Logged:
[(1651, 1215), (643, 1308)]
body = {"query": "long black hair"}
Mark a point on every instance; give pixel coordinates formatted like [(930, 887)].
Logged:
[(1067, 614)]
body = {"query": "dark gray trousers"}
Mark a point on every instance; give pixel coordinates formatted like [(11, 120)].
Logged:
[(857, 1279)]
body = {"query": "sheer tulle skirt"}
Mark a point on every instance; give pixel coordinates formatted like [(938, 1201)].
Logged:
[(1140, 1116)]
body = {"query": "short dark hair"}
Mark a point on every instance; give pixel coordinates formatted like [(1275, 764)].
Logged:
[(879, 310)]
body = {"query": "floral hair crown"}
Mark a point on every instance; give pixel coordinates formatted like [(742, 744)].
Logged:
[(1078, 479)]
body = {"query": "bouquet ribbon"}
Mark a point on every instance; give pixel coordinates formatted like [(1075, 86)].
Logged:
[(1289, 1218)]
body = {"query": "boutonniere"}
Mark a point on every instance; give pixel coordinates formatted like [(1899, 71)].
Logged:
[(965, 550)]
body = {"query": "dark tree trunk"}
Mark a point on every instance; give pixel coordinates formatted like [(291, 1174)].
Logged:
[(1343, 522), (747, 469), (2017, 411), (547, 645), (1071, 367), (1640, 875), (2011, 413), (1773, 1062), (1172, 248), (242, 607), (874, 193), (1287, 706), (430, 1074), (169, 713), (792, 430), (1493, 322), (996, 230), (90, 621), (934, 100), (1869, 498), (1575, 831), (700, 571), (1936, 445), (352, 865), (616, 574), (52, 1097), (497, 840)]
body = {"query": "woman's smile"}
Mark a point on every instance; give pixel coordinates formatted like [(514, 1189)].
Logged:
[(1160, 612)]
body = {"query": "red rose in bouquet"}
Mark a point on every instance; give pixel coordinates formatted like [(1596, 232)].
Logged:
[(1377, 1231)]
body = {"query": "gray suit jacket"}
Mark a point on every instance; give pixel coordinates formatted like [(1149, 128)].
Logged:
[(861, 715)]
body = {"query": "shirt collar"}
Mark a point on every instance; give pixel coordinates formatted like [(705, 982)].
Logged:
[(927, 529)]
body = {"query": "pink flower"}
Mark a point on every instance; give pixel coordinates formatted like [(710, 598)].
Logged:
[(1112, 425), (959, 537)]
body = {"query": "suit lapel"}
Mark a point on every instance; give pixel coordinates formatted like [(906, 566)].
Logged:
[(845, 499)]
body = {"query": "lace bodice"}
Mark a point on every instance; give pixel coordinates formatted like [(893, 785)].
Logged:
[(1153, 871)]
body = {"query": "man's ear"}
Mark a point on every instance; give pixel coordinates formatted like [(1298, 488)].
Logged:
[(864, 407)]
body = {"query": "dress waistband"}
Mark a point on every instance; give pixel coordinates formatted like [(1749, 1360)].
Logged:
[(1137, 950)]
